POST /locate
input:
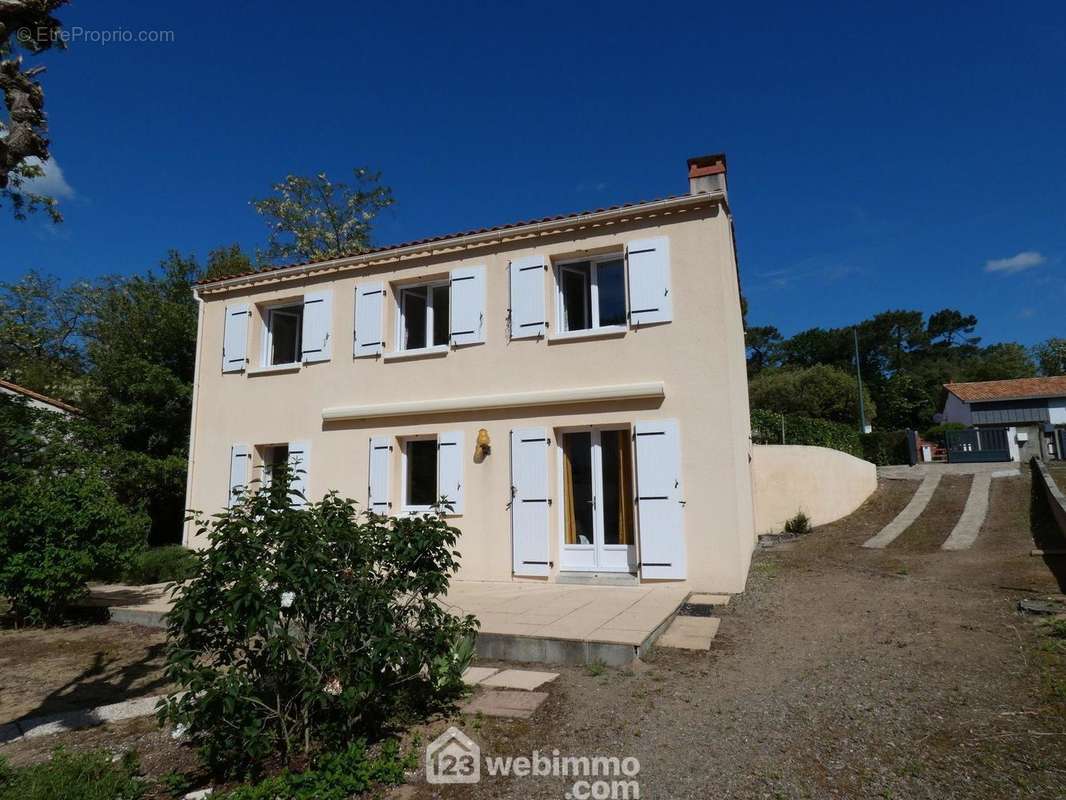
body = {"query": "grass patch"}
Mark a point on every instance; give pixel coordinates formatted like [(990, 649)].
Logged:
[(595, 668), (160, 565), (73, 776)]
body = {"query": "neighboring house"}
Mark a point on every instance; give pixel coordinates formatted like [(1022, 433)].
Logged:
[(575, 387), (36, 399), (1032, 410)]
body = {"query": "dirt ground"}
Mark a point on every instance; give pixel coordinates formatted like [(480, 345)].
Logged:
[(840, 673), (71, 668)]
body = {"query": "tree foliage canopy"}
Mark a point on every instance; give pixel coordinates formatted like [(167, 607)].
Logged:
[(820, 392), (314, 218)]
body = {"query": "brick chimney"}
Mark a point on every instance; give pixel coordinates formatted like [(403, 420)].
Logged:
[(706, 174)]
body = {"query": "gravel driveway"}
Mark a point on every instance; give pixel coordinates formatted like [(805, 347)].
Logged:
[(841, 672)]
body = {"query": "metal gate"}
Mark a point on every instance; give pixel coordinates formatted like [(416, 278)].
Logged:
[(978, 444)]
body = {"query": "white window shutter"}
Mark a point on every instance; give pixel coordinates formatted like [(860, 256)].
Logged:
[(451, 451), (467, 305), (300, 470), (235, 338), (529, 500), (369, 319), (318, 326), (649, 281), (240, 459), (380, 463), (659, 500), (528, 317)]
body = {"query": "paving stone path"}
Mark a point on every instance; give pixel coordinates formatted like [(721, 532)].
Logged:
[(969, 525), (905, 517)]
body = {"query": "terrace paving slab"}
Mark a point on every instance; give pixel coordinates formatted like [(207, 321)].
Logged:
[(503, 703), (690, 633), (475, 675), (525, 679)]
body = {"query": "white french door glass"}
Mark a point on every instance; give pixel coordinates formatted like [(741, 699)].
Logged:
[(598, 532)]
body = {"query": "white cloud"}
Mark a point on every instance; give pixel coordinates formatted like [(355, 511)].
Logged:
[(52, 183), (1024, 260)]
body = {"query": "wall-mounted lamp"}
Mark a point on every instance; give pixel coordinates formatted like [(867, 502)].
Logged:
[(484, 446)]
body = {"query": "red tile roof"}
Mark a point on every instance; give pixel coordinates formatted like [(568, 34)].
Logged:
[(447, 236), (43, 398), (1014, 389)]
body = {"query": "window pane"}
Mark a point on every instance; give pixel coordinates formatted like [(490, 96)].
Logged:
[(422, 472), (574, 283), (285, 326), (611, 284), (414, 318), (441, 316), (617, 488), (577, 468)]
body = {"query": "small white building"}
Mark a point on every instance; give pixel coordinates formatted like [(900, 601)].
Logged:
[(36, 399)]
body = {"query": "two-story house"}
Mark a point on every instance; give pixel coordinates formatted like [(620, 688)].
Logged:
[(574, 386)]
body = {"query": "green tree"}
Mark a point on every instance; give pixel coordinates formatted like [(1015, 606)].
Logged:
[(761, 344), (818, 392), (904, 402), (1051, 356), (26, 27), (313, 218), (999, 362), (40, 325), (949, 328)]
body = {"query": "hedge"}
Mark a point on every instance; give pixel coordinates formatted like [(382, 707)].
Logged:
[(766, 429)]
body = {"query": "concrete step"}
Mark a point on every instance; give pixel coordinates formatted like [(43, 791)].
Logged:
[(690, 633), (598, 578)]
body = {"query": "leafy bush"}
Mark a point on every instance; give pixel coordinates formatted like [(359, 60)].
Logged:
[(60, 519), (160, 565), (798, 524), (938, 432), (306, 628), (886, 447), (817, 392), (73, 776), (333, 776), (766, 429)]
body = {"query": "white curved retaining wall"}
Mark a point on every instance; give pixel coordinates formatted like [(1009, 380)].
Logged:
[(825, 484)]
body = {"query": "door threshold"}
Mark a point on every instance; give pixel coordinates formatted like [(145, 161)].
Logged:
[(583, 578)]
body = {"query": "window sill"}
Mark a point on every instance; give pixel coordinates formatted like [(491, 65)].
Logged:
[(611, 332), (422, 352), (275, 369)]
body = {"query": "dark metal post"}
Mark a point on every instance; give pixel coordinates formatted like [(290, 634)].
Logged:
[(858, 377)]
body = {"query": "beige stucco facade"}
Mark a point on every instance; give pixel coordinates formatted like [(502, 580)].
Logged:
[(690, 369), (824, 484)]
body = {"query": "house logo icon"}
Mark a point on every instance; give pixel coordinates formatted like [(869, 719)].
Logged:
[(453, 757)]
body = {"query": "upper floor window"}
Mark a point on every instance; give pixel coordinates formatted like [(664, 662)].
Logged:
[(591, 293), (424, 316), (284, 329)]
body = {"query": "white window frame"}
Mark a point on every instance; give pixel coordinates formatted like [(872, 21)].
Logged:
[(592, 310), (268, 332), (429, 286), (406, 507)]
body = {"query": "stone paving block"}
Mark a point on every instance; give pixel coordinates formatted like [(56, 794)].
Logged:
[(709, 599), (475, 675), (525, 679), (690, 633), (499, 703)]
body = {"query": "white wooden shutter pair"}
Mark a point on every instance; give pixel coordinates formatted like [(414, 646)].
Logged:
[(299, 463), (450, 453), (317, 327), (467, 312), (529, 500)]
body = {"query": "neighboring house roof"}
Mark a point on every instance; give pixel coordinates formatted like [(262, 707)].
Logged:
[(14, 388), (301, 267), (1014, 389)]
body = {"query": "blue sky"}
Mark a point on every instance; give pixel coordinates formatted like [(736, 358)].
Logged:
[(912, 159)]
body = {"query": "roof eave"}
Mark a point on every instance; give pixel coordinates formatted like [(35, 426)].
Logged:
[(465, 241)]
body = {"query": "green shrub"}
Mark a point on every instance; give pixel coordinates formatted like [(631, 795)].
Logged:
[(88, 775), (336, 776), (886, 447), (305, 628), (798, 524), (766, 429), (937, 432), (160, 565)]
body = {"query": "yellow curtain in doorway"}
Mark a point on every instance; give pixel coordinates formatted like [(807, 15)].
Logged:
[(569, 517), (625, 489)]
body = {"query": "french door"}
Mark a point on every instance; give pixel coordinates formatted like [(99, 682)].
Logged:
[(598, 529)]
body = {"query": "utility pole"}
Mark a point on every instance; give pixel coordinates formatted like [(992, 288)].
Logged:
[(858, 377)]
